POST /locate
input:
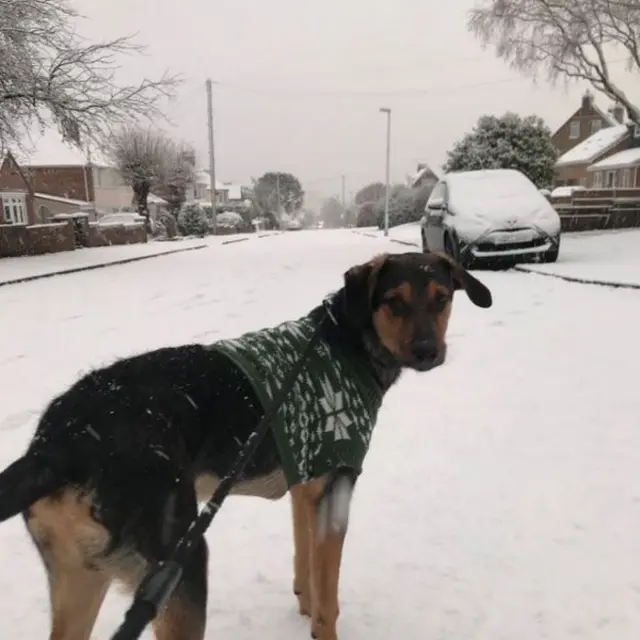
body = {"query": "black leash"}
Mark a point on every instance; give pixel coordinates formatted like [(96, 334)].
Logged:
[(159, 583)]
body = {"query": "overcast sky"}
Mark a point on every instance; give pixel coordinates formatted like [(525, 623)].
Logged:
[(302, 81)]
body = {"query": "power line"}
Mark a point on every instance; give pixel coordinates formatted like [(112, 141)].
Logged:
[(390, 93)]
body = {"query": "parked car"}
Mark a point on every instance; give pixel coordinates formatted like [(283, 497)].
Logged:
[(495, 215), (293, 225), (124, 217)]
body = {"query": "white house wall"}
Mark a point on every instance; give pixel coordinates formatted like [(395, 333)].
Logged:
[(110, 192)]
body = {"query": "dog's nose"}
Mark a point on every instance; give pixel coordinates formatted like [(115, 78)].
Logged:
[(425, 350)]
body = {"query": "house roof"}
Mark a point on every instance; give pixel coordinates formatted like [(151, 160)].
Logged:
[(620, 160), (595, 145), (152, 199), (47, 196), (607, 117), (48, 150), (426, 169)]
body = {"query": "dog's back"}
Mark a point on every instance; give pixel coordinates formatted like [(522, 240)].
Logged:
[(108, 483)]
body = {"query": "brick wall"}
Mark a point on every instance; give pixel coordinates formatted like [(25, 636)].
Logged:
[(21, 240), (103, 236), (65, 182)]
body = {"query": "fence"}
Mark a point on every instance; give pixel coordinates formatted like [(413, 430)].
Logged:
[(599, 209)]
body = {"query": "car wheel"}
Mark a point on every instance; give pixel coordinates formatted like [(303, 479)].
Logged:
[(452, 249), (552, 254)]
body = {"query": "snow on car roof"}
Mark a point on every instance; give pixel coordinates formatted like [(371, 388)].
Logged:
[(588, 150), (489, 191)]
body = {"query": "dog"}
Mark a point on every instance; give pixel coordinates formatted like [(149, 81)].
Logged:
[(113, 475)]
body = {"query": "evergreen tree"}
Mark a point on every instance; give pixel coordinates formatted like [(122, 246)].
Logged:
[(507, 142)]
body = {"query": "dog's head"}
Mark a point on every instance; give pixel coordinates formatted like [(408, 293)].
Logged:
[(404, 302)]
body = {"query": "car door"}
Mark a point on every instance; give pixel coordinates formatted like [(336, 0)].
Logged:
[(435, 213)]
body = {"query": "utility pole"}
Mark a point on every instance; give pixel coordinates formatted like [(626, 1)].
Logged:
[(388, 162), (343, 187), (212, 157), (278, 205)]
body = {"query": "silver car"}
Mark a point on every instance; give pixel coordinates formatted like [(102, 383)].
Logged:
[(495, 215)]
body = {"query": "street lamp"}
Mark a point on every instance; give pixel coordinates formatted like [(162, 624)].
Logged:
[(386, 181)]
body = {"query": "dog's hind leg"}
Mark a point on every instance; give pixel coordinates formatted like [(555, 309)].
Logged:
[(184, 616), (67, 539)]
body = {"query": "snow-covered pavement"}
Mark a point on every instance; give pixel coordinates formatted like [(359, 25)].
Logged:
[(501, 496), (599, 256)]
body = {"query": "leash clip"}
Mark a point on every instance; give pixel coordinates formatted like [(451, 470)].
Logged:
[(326, 303)]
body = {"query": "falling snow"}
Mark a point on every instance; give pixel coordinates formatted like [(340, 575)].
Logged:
[(500, 498)]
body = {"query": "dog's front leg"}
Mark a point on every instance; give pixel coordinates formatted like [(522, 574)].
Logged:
[(329, 500), (301, 507)]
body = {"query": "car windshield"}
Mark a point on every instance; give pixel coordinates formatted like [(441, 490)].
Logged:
[(487, 190)]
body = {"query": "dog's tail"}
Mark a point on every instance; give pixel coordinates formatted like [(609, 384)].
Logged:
[(24, 482)]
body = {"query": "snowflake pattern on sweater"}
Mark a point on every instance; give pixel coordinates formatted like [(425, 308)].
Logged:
[(327, 419)]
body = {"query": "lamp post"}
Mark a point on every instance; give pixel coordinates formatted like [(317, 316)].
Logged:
[(387, 110)]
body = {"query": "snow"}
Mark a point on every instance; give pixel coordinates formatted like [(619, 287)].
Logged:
[(566, 191), (48, 150), (47, 196), (604, 256), (626, 158), (488, 198), (500, 498), (595, 145), (27, 266)]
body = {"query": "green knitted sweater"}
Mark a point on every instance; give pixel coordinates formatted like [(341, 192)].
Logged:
[(327, 419)]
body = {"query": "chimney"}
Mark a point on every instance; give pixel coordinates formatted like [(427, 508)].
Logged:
[(587, 100), (421, 166), (617, 111)]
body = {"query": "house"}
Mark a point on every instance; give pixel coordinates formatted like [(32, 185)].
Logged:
[(65, 179), (226, 192), (424, 177), (584, 122), (617, 171), (16, 194), (576, 166)]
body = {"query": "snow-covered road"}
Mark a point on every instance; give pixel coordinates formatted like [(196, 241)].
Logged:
[(501, 497)]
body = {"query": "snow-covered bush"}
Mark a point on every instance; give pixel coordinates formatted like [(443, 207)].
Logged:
[(229, 219), (192, 220), (405, 205), (507, 142)]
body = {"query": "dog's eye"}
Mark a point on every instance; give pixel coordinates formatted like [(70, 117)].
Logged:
[(440, 299), (399, 306)]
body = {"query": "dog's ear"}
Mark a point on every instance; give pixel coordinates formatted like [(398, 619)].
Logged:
[(359, 285), (478, 293)]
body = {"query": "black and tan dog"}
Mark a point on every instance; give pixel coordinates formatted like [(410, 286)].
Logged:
[(113, 475)]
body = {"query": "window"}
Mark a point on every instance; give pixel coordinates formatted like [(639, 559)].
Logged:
[(625, 182), (610, 180), (575, 129), (15, 208), (597, 180), (595, 126), (636, 131)]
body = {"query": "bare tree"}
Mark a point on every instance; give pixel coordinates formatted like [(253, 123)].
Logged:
[(569, 39), (50, 75), (178, 176), (144, 159)]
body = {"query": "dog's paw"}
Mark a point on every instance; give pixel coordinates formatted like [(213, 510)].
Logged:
[(304, 602), (321, 631)]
